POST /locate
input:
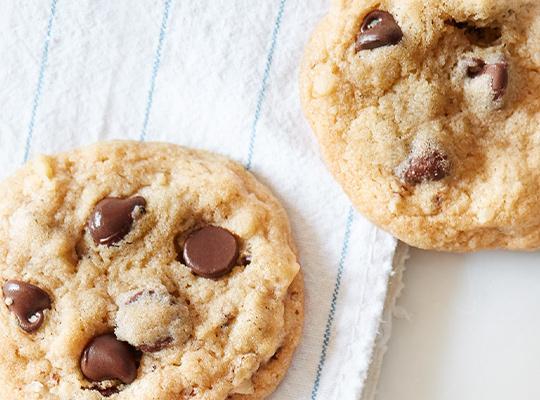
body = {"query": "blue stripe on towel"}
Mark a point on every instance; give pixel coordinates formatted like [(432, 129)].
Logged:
[(41, 78), (333, 304), (155, 68), (264, 84)]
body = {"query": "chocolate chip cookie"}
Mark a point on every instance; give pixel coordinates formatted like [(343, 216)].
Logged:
[(144, 271), (428, 114)]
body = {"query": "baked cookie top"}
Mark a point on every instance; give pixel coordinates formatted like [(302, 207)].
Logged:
[(144, 271), (428, 114)]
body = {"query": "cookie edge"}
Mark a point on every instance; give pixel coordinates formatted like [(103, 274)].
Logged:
[(269, 376)]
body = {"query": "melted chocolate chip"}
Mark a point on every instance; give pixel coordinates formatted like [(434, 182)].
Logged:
[(107, 358), (211, 251), (27, 302), (431, 166), (158, 346), (378, 29), (112, 219), (498, 72)]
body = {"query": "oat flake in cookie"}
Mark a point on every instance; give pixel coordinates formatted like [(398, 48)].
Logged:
[(428, 114), (144, 271)]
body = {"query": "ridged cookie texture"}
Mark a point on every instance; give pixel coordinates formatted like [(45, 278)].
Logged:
[(144, 271), (428, 114)]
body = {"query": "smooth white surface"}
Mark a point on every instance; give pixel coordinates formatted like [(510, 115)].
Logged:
[(474, 329)]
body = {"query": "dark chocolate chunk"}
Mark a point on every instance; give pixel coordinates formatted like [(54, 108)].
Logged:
[(107, 358), (211, 251), (112, 219), (378, 29), (27, 302)]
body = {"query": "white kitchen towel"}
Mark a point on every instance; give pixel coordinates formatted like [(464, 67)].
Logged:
[(219, 75)]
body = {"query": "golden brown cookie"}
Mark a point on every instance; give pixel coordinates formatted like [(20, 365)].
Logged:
[(428, 114), (146, 271)]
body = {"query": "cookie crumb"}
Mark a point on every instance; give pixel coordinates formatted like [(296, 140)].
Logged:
[(44, 167)]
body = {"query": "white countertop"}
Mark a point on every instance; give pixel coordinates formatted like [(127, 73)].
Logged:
[(474, 329)]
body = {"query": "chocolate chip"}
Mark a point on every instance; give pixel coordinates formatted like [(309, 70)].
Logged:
[(211, 251), (27, 302), (498, 72), (158, 346), (432, 165), (499, 78), (107, 358), (112, 219), (378, 29)]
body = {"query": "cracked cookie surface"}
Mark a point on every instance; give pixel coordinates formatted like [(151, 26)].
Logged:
[(145, 271), (428, 114)]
